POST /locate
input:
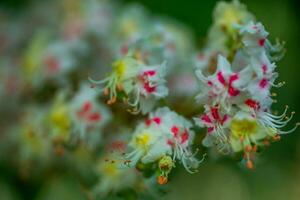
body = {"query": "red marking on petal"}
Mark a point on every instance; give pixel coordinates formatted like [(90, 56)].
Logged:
[(232, 91), (233, 78), (264, 68), (206, 119), (94, 117), (86, 107), (215, 113), (209, 83), (149, 73), (263, 83), (221, 78), (252, 104), (148, 122), (52, 64), (171, 143), (175, 131), (184, 136), (210, 129), (157, 120), (225, 118), (149, 88), (261, 42)]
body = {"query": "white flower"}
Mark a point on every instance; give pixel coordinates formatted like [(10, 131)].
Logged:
[(228, 14), (113, 178), (224, 87), (216, 121), (87, 114), (142, 84), (57, 60), (164, 133), (237, 97), (254, 37)]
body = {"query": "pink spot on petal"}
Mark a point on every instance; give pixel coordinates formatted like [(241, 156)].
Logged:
[(52, 64), (149, 73), (184, 136), (87, 106), (263, 83), (157, 120), (233, 78), (210, 129), (215, 113), (264, 68), (206, 119), (85, 109), (233, 92), (221, 78), (94, 117), (148, 122), (171, 143), (149, 88), (175, 131), (261, 42), (209, 83), (225, 118), (252, 104)]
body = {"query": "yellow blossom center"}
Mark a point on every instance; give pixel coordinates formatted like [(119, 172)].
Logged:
[(230, 17), (59, 119), (110, 169), (244, 127), (119, 68), (129, 27), (143, 140)]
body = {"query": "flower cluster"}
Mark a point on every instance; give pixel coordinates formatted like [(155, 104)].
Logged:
[(237, 94), (54, 86), (164, 138)]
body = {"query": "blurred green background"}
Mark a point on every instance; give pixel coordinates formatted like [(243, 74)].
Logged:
[(277, 175)]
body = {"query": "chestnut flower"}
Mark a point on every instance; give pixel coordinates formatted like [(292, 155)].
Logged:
[(87, 114), (163, 135), (141, 84)]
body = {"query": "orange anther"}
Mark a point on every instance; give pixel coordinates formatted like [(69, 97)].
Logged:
[(254, 148), (249, 164), (277, 137), (248, 148), (106, 91), (120, 87), (162, 180), (266, 142)]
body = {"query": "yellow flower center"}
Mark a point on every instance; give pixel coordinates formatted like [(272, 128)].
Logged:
[(230, 17), (129, 27), (110, 169), (59, 119), (143, 140), (243, 127), (119, 68)]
